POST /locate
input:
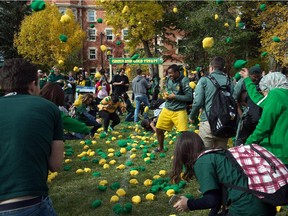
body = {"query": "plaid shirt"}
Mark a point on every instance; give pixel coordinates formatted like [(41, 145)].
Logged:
[(261, 175)]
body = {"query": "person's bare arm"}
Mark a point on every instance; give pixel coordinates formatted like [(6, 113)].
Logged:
[(57, 155)]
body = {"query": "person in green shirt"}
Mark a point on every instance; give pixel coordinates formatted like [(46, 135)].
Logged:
[(271, 131), (249, 113), (54, 93), (31, 141), (204, 93), (177, 94), (212, 169), (55, 76)]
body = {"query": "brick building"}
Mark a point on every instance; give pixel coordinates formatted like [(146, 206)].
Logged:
[(87, 14)]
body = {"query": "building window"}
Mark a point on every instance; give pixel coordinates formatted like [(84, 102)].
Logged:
[(92, 53), (109, 34), (91, 34), (181, 46), (91, 15), (124, 34), (74, 10), (62, 10), (92, 71)]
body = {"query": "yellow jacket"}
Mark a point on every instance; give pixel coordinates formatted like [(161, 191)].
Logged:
[(107, 104)]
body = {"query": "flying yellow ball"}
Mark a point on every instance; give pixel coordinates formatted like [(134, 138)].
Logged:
[(65, 18), (208, 42), (103, 48)]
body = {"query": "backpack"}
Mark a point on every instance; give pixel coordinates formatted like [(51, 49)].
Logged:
[(267, 175), (155, 104), (223, 113)]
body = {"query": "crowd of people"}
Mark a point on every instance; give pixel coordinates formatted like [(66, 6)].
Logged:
[(262, 112)]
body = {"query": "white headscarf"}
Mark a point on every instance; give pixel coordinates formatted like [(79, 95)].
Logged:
[(273, 80)]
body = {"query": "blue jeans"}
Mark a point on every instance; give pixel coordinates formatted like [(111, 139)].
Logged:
[(44, 208), (130, 117), (140, 99)]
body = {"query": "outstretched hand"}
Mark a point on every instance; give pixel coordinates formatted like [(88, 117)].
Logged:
[(181, 205), (244, 73)]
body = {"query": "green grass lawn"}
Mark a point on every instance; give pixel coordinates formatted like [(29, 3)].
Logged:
[(73, 193)]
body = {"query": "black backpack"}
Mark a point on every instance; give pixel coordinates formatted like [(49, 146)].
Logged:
[(223, 113)]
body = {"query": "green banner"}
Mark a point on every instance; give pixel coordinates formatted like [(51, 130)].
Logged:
[(137, 61)]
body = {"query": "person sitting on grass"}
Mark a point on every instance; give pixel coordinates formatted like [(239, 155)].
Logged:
[(54, 93), (210, 169), (83, 115), (107, 111)]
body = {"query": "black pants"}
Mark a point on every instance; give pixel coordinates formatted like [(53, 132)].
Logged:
[(244, 133), (107, 117)]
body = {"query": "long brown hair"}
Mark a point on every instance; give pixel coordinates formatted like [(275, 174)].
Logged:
[(54, 93), (188, 147)]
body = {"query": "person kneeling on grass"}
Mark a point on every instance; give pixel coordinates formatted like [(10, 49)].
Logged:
[(107, 111), (83, 115), (211, 169), (54, 93)]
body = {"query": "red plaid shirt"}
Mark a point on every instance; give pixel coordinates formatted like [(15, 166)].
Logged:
[(261, 176)]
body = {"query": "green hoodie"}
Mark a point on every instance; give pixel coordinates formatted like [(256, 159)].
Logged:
[(183, 93), (73, 125), (272, 129)]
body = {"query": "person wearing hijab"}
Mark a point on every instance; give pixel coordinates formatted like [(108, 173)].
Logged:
[(271, 131)]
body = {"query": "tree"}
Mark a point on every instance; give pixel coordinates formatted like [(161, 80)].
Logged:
[(273, 25), (230, 41), (38, 39), (138, 17), (11, 15)]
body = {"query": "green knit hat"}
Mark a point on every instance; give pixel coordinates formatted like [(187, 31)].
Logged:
[(240, 64)]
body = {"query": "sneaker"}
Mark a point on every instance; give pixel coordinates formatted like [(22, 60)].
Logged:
[(157, 150), (110, 128)]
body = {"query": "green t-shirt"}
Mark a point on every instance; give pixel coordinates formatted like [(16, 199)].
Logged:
[(212, 169), (28, 126)]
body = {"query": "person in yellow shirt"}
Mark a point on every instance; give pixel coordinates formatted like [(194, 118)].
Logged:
[(107, 111), (81, 81)]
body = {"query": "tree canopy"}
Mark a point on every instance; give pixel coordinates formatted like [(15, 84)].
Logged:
[(11, 15), (138, 17), (273, 35), (42, 37)]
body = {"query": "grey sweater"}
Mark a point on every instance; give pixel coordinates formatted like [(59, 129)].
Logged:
[(140, 85)]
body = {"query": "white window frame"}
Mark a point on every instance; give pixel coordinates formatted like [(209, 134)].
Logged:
[(89, 53), (124, 34), (93, 37), (88, 15), (92, 68), (109, 35)]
